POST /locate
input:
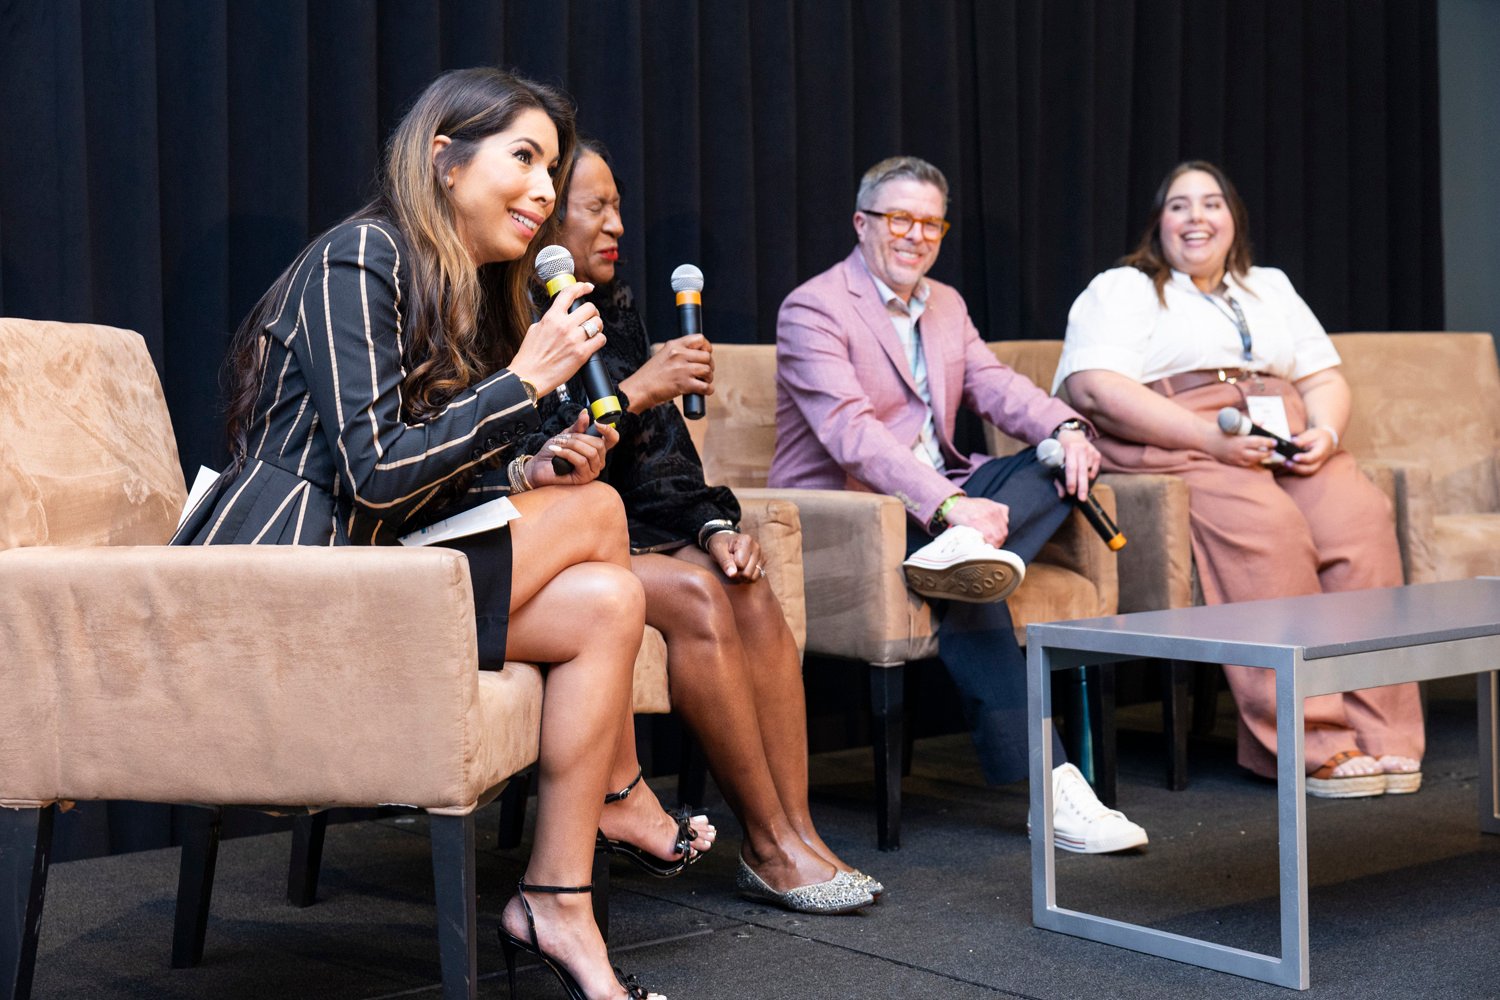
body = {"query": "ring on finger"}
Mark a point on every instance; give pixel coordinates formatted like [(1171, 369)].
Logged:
[(592, 326)]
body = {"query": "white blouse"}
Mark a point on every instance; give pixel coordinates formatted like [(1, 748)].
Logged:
[(1118, 325)]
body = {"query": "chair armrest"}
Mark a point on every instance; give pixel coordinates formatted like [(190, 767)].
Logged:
[(1156, 566), (1077, 547), (268, 675), (858, 606), (777, 525), (1408, 485)]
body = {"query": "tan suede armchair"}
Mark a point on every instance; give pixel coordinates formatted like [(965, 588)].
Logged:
[(285, 678), (858, 606), (1426, 427)]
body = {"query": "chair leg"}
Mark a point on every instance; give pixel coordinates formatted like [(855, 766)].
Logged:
[(513, 810), (1206, 700), (692, 773), (25, 846), (909, 732), (453, 878), (1174, 719), (307, 858), (195, 885), (1101, 702), (887, 709)]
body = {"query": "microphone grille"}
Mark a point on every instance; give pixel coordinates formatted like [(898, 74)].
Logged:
[(1050, 453), (687, 278), (553, 261), (1229, 420)]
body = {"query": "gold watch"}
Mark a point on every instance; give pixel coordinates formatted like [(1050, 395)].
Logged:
[(531, 393)]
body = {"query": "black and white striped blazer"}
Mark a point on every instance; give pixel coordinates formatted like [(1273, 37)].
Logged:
[(331, 458)]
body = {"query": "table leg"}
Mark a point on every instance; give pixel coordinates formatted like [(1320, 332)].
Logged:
[(1288, 970), (1489, 747), (1039, 733), (1291, 823)]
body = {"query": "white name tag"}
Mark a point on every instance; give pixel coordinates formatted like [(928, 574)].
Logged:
[(1270, 413)]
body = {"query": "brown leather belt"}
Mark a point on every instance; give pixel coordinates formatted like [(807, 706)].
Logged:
[(1184, 381)]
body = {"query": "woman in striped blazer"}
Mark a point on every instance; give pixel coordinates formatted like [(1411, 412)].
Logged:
[(383, 383)]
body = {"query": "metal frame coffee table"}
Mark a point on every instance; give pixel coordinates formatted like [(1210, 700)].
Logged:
[(1317, 645)]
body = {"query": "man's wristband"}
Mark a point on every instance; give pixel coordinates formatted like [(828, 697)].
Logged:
[(940, 516)]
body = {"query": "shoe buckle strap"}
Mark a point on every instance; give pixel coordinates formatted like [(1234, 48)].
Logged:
[(624, 793), (525, 886)]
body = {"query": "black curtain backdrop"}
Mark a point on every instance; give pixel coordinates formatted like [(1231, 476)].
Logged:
[(160, 163)]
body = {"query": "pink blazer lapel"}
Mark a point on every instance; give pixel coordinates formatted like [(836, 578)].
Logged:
[(871, 310)]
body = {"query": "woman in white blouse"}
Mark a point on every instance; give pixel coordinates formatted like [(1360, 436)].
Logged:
[(1155, 349)]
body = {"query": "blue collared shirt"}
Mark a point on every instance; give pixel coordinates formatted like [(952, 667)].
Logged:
[(904, 317)]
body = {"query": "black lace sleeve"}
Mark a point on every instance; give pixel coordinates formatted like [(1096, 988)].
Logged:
[(655, 467)]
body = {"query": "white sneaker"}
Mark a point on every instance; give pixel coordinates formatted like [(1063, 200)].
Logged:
[(959, 565), (1080, 822)]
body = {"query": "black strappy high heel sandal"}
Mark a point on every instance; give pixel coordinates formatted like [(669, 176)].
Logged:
[(647, 862), (510, 944)]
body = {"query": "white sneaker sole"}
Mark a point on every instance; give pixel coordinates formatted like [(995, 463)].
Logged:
[(1107, 847), (977, 581), (1066, 843)]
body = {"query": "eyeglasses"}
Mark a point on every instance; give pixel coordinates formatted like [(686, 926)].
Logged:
[(900, 224)]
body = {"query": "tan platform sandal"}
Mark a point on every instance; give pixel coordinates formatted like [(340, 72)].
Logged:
[(1326, 785)]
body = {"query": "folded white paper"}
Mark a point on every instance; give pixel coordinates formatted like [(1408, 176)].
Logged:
[(485, 517), (202, 482)]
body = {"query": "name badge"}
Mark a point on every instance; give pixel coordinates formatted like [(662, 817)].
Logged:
[(1270, 413)]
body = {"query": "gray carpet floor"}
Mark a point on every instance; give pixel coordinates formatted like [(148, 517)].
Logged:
[(1405, 898)]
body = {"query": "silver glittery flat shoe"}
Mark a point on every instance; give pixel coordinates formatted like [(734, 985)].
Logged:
[(838, 895)]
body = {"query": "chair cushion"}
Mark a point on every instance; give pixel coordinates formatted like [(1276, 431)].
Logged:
[(1468, 545), (738, 439), (87, 455), (251, 675), (1428, 398)]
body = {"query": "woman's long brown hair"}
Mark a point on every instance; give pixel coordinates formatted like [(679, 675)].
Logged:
[(1148, 255), (461, 322)]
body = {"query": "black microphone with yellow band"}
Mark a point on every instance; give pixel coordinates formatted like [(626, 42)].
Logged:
[(554, 265)]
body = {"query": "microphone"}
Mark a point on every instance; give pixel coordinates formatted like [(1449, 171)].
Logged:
[(687, 282), (1235, 423), (554, 266), (1050, 454)]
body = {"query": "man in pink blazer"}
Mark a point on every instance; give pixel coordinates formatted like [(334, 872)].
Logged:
[(873, 360)]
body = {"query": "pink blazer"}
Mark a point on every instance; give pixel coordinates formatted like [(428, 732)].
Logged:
[(847, 409)]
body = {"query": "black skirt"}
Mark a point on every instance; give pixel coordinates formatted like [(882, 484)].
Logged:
[(489, 571)]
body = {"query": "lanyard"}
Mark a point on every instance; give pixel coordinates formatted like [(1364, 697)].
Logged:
[(1238, 319)]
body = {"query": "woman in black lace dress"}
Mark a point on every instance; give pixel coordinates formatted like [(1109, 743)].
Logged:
[(736, 678)]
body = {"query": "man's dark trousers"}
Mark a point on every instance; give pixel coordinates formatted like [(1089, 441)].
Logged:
[(977, 642)]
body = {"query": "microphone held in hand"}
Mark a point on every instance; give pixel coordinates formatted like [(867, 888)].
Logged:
[(1237, 424), (687, 282), (1050, 454), (554, 266)]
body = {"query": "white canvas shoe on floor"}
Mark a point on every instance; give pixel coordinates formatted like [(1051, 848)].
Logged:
[(1081, 823), (959, 565)]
